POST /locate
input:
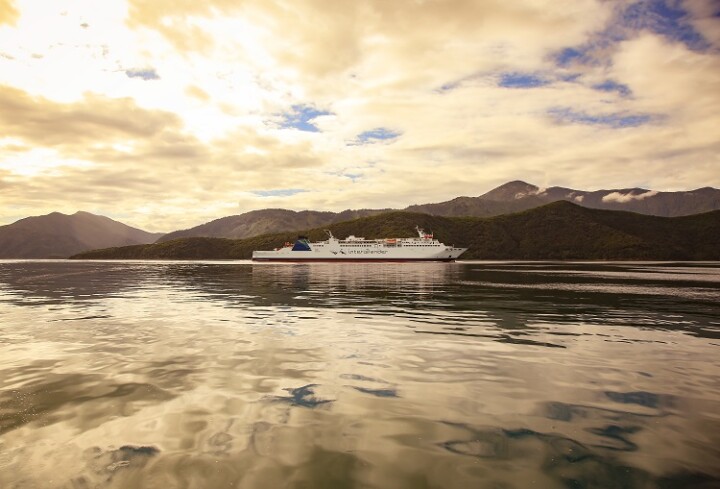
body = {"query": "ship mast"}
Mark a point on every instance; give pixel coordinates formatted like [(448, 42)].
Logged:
[(421, 233)]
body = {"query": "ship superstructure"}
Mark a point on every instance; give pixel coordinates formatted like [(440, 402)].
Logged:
[(424, 247)]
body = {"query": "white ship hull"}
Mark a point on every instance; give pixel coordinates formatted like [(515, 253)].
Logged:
[(370, 257), (352, 249)]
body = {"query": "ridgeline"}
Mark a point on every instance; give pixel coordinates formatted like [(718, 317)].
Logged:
[(557, 231)]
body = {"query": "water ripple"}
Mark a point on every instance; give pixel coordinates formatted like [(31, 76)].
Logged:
[(229, 374)]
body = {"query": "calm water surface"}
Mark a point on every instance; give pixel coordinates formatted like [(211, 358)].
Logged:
[(466, 375)]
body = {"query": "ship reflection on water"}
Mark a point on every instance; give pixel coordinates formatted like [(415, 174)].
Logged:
[(498, 375)]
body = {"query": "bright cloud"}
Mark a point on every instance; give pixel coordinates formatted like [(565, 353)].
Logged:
[(622, 198), (173, 113), (8, 12)]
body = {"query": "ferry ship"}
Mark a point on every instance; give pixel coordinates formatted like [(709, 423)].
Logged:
[(353, 249)]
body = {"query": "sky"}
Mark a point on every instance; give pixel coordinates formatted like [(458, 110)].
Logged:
[(165, 114)]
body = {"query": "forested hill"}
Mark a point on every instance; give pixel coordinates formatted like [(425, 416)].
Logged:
[(560, 230)]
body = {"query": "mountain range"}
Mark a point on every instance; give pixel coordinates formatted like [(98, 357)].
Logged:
[(518, 196), (511, 197), (255, 223), (60, 235), (556, 231)]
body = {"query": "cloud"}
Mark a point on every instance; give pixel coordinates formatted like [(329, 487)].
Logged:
[(623, 198), (100, 151), (8, 13), (320, 39), (364, 104), (678, 22), (197, 93), (667, 75), (703, 15), (666, 18), (95, 118), (174, 20)]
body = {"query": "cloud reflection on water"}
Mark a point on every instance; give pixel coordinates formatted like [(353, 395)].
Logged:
[(210, 374)]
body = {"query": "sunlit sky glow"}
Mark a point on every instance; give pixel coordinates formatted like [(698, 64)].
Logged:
[(165, 113)]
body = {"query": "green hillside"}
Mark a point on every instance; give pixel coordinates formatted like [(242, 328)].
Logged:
[(560, 230)]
